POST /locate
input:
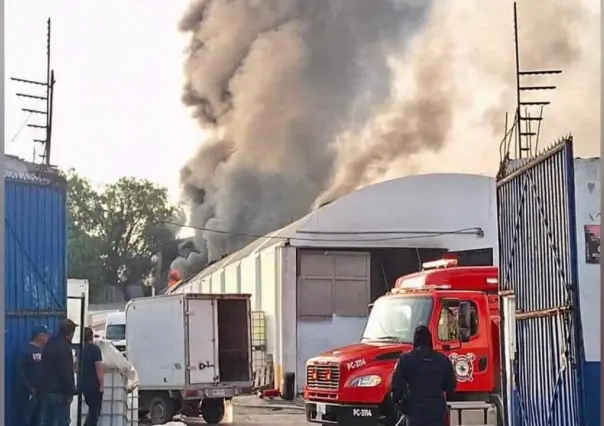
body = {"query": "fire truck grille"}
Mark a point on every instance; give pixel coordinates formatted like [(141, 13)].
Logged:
[(323, 377)]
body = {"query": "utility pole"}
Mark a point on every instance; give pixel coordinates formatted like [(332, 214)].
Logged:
[(157, 268), (47, 98)]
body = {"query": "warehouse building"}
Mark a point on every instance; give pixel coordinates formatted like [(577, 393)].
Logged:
[(315, 278)]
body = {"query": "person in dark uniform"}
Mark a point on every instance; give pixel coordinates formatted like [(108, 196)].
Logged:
[(421, 380), (29, 376), (92, 386), (59, 380)]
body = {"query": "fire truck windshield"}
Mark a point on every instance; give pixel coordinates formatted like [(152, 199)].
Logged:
[(395, 318)]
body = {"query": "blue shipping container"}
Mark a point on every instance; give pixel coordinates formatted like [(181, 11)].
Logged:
[(35, 259)]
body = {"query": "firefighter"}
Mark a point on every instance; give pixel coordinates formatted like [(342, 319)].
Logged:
[(421, 380), (453, 325), (448, 328)]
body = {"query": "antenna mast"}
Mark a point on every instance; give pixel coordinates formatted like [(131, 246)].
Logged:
[(524, 135), (47, 98)]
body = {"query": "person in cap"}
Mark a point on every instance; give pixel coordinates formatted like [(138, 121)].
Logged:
[(59, 380), (29, 376), (92, 385), (422, 378)]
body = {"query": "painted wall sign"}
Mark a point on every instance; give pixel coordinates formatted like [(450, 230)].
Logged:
[(463, 364), (592, 244)]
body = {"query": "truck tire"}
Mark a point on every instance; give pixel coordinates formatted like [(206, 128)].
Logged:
[(212, 410), (161, 410), (289, 386), (190, 408)]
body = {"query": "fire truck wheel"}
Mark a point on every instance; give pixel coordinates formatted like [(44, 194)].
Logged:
[(161, 410), (212, 410)]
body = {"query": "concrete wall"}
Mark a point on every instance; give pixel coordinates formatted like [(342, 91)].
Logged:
[(588, 202)]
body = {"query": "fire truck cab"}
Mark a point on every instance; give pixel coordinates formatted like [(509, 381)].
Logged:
[(350, 386)]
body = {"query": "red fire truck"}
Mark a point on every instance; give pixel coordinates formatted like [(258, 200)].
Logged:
[(350, 386)]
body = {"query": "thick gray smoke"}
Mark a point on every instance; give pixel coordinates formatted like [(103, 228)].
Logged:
[(276, 81), (307, 100), (457, 81)]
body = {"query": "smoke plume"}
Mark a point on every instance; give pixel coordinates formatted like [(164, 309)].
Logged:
[(307, 100), (276, 81), (457, 81)]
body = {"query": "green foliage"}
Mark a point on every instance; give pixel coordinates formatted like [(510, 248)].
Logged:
[(115, 231)]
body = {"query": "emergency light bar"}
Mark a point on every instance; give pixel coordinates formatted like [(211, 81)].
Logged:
[(420, 288), (442, 263)]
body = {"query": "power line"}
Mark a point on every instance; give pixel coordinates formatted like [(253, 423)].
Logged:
[(18, 132), (417, 234)]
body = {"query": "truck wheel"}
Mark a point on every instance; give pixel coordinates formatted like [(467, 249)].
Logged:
[(161, 410), (289, 386), (212, 410), (190, 408)]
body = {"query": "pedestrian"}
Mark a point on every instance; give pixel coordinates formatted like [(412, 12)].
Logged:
[(59, 380), (92, 385), (29, 376), (421, 380)]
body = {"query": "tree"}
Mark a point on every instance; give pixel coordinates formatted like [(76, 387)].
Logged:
[(85, 248), (133, 218), (123, 222)]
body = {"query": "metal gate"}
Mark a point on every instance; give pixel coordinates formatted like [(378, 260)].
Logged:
[(541, 333)]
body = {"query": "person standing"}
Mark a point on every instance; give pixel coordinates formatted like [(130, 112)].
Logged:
[(92, 386), (29, 376), (59, 380), (421, 380)]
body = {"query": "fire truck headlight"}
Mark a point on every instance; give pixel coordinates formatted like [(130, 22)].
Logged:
[(366, 382)]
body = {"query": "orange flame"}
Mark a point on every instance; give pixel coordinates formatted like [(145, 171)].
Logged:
[(174, 278)]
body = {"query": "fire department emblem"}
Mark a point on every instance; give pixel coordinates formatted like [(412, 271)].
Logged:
[(463, 366)]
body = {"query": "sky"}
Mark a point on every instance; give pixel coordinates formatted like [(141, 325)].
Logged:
[(118, 66)]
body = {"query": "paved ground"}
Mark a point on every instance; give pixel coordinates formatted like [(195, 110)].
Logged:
[(251, 411), (260, 417)]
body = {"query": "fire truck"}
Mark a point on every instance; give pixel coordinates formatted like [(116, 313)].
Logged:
[(350, 386)]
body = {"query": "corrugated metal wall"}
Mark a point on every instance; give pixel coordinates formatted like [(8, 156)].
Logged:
[(35, 250), (333, 291), (538, 268)]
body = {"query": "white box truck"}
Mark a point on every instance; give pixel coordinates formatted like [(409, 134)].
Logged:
[(191, 351)]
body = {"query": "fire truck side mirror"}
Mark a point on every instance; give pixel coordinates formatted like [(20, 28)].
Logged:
[(464, 318)]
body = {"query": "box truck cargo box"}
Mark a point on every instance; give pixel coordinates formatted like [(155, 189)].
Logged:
[(191, 351)]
